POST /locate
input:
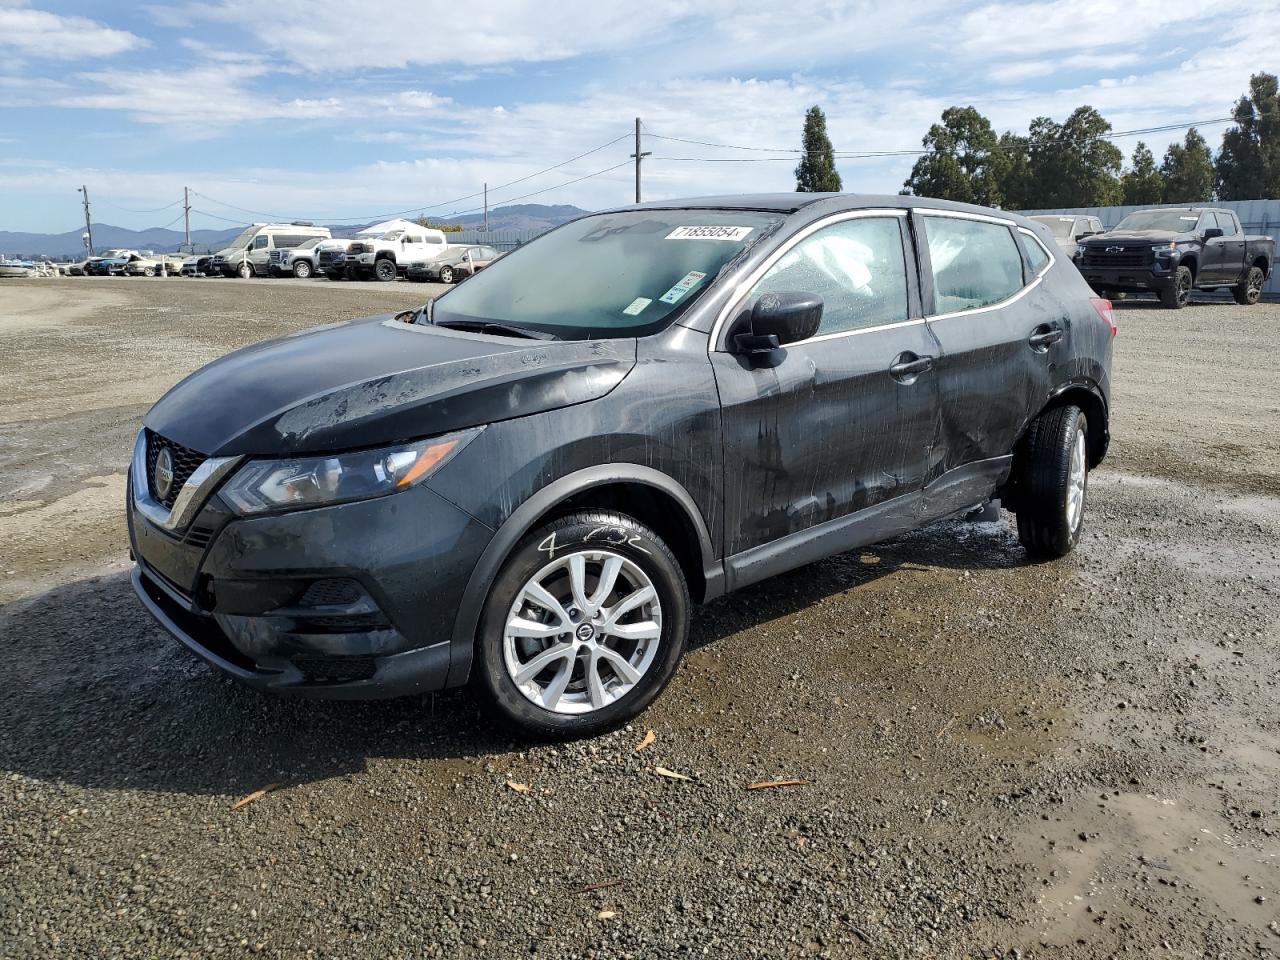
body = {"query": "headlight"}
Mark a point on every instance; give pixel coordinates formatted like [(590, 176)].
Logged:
[(1164, 249), (262, 485), (1081, 249)]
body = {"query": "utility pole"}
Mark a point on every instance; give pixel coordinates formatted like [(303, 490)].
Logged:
[(88, 226), (638, 155), (486, 207), (186, 216)]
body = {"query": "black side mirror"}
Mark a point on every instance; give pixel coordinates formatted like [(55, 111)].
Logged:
[(778, 319), (1213, 233)]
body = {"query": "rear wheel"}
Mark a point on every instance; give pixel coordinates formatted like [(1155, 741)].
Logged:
[(1249, 290), (1051, 479), (302, 269), (1178, 294), (385, 270), (584, 625)]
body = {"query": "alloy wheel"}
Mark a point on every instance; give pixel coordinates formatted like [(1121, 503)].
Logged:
[(582, 632), (1077, 477)]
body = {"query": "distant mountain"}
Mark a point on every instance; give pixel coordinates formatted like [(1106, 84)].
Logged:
[(524, 216)]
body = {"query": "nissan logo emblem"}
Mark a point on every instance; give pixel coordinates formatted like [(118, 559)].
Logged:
[(164, 473)]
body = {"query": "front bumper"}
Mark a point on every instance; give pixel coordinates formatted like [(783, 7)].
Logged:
[(1151, 277), (354, 601)]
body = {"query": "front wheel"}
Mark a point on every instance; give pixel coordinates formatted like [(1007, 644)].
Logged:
[(446, 274), (302, 269), (245, 271), (1249, 290), (1178, 294), (1051, 477), (148, 271), (385, 270), (584, 626)]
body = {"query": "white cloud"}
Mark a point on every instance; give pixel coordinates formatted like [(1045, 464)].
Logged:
[(37, 33)]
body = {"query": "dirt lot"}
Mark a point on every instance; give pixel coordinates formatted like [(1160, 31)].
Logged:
[(1072, 759)]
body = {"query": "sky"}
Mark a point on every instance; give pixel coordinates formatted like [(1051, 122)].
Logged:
[(333, 111)]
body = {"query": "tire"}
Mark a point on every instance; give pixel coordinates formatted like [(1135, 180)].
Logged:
[(350, 273), (1051, 473), (570, 705), (302, 269), (385, 270), (1178, 295), (148, 271), (1249, 290), (245, 271), (446, 274)]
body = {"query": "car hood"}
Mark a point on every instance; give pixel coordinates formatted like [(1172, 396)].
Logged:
[(1136, 236), (377, 381)]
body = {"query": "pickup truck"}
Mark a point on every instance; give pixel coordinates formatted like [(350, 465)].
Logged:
[(1174, 251)]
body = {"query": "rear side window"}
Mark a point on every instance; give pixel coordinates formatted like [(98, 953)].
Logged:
[(974, 263), (856, 266), (1227, 223), (1037, 259)]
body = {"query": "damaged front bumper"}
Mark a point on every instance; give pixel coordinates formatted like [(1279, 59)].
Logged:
[(353, 601)]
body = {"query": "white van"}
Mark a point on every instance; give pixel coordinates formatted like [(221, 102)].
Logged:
[(249, 255)]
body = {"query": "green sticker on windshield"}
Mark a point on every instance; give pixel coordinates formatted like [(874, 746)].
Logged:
[(683, 286)]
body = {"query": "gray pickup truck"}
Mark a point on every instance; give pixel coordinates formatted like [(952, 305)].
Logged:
[(1172, 252)]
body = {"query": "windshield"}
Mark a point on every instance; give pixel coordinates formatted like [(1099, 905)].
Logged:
[(1060, 227), (392, 235), (243, 239), (1174, 221), (622, 274)]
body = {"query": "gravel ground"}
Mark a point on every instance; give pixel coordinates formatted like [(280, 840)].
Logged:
[(1070, 759)]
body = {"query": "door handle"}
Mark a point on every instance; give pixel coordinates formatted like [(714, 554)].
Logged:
[(1044, 336), (908, 366)]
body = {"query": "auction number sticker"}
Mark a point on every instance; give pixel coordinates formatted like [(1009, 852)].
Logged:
[(683, 286), (735, 234), (636, 305)]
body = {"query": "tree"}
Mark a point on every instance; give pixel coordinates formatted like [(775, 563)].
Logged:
[(964, 162), (817, 170), (1016, 186), (1071, 163), (1248, 165), (1188, 170), (1143, 183)]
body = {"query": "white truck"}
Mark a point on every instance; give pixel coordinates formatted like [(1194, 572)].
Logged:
[(381, 251)]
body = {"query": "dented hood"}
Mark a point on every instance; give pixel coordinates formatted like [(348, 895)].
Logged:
[(377, 381)]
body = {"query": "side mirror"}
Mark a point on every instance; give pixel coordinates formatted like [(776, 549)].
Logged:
[(778, 319), (1213, 233), (1088, 233)]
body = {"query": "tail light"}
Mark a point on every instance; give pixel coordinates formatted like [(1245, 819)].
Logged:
[(1107, 312)]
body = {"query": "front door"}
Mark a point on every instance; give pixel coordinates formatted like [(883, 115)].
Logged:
[(840, 423)]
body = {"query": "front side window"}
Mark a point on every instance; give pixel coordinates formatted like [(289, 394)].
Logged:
[(857, 267), (623, 274), (260, 242), (974, 263)]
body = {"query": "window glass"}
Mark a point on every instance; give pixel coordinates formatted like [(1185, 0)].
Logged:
[(975, 264), (1227, 224), (1035, 253), (260, 241), (856, 266)]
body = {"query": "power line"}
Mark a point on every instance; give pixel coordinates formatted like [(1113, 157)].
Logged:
[(131, 210), (554, 186), (420, 209)]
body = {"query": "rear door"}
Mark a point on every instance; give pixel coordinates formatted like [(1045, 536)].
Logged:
[(1002, 332), (1233, 246), (837, 424)]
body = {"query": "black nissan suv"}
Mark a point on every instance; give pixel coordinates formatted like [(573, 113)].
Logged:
[(531, 479)]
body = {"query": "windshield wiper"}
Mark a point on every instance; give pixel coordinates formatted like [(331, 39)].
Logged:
[(494, 327)]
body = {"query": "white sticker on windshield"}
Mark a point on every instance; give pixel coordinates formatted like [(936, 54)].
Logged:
[(683, 286), (638, 304), (1193, 219), (710, 233)]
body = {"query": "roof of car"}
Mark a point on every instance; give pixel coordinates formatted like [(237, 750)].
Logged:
[(825, 202)]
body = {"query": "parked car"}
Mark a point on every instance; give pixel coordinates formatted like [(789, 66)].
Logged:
[(109, 262), (458, 263), (149, 265), (1069, 229), (533, 477), (299, 261), (385, 257), (249, 255), (1174, 251), (198, 265)]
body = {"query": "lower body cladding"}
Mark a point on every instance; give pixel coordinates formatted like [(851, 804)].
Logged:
[(352, 601)]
